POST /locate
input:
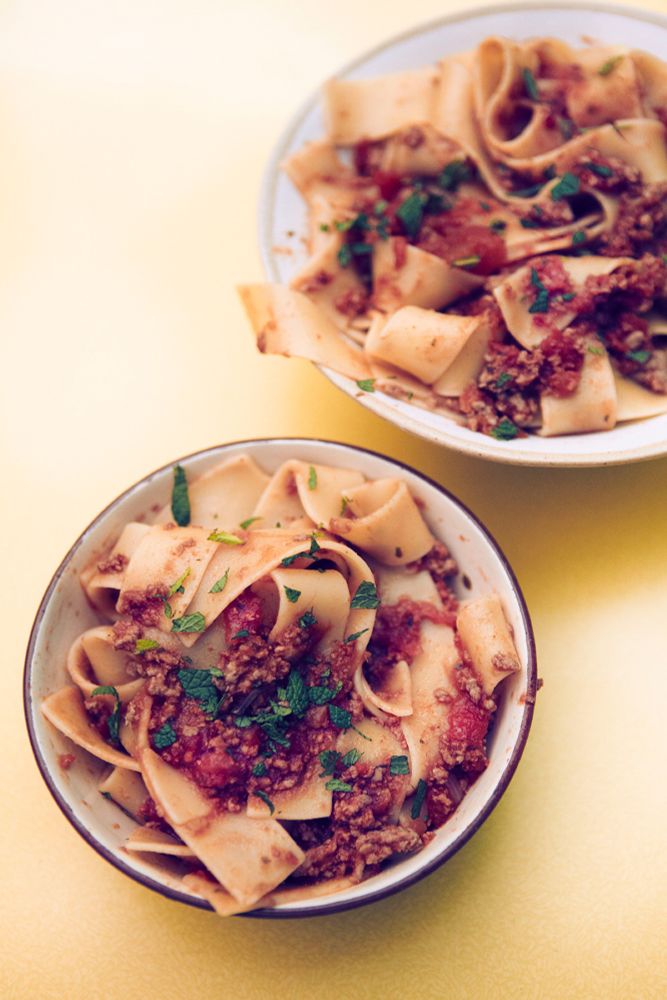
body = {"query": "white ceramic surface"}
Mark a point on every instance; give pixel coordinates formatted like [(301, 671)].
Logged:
[(282, 211), (65, 613)]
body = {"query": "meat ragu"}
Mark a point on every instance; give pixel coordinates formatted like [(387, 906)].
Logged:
[(318, 696), (522, 224)]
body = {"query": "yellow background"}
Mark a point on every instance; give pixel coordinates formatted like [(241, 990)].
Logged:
[(133, 137)]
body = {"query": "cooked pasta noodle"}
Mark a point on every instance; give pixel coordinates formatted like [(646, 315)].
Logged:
[(288, 692), (501, 218)]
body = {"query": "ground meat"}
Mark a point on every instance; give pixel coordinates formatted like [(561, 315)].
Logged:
[(396, 635), (65, 760), (144, 606), (641, 224), (442, 567), (486, 306), (378, 845), (114, 564), (352, 302), (608, 174), (255, 660)]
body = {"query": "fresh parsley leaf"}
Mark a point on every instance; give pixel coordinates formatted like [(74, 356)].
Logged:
[(497, 225), (265, 799), (529, 223), (340, 717), (366, 596), (259, 770), (296, 693), (609, 66), (177, 587), (503, 379), (241, 634), (336, 785), (307, 620), (568, 296), (380, 207), (345, 503), (454, 174), (164, 737), (530, 84), (471, 261), (351, 757), (366, 384), (168, 612), (180, 498), (319, 694), (198, 684), (220, 584), (189, 623), (355, 635), (328, 760), (641, 357), (578, 237), (418, 801), (359, 249), (600, 169), (505, 430), (113, 722), (250, 520), (225, 538), (244, 721), (567, 186), (143, 645), (399, 765), (314, 544), (566, 126), (312, 478), (324, 227), (595, 350), (291, 594)]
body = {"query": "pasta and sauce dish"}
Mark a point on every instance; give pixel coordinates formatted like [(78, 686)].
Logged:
[(285, 686), (487, 238)]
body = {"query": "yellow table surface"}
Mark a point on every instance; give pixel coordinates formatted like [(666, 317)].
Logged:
[(134, 134)]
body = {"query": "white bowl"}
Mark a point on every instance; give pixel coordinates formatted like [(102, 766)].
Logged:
[(64, 613), (283, 211)]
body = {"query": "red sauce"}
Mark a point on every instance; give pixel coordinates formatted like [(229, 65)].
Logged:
[(563, 360), (454, 240), (245, 613), (468, 723), (397, 627), (388, 183)]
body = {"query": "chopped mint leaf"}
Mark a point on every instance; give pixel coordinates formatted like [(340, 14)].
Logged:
[(164, 737), (189, 623), (241, 634), (541, 302), (471, 261), (497, 225), (225, 538), (177, 587), (503, 379), (319, 694), (454, 174), (180, 498), (246, 524), (366, 384), (529, 223), (505, 430), (198, 684), (399, 765), (340, 717), (336, 785), (600, 169), (259, 770), (143, 645), (291, 594), (344, 255), (411, 213), (355, 635), (641, 357), (530, 84), (578, 237), (220, 584), (418, 801), (609, 66), (366, 596), (567, 186), (595, 350), (528, 192), (113, 722), (350, 758), (328, 760), (265, 799), (312, 478), (296, 693), (307, 620)]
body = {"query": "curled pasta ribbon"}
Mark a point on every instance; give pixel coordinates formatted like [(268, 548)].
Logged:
[(383, 520)]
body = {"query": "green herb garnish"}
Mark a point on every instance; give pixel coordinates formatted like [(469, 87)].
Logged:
[(189, 623), (241, 634), (319, 694), (307, 620), (198, 685), (296, 694), (265, 799), (497, 225), (246, 524), (259, 770), (220, 584), (578, 237), (366, 384), (567, 186), (399, 765), (177, 587), (312, 478), (454, 174), (609, 66), (530, 84), (291, 594), (411, 213), (336, 785), (503, 379), (600, 169), (143, 645), (340, 717), (366, 596), (471, 261), (164, 737), (225, 538), (418, 800), (113, 722), (641, 357), (541, 301), (355, 636), (180, 498), (505, 430)]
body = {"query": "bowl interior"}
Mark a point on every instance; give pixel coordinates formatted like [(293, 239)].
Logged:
[(65, 613), (282, 211)]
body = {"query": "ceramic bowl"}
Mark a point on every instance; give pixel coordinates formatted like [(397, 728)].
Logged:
[(282, 211), (64, 613)]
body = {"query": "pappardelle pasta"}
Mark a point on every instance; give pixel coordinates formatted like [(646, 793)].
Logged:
[(286, 688), (487, 239)]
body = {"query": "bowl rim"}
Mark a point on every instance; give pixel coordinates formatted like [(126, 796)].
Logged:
[(380, 404), (306, 910)]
